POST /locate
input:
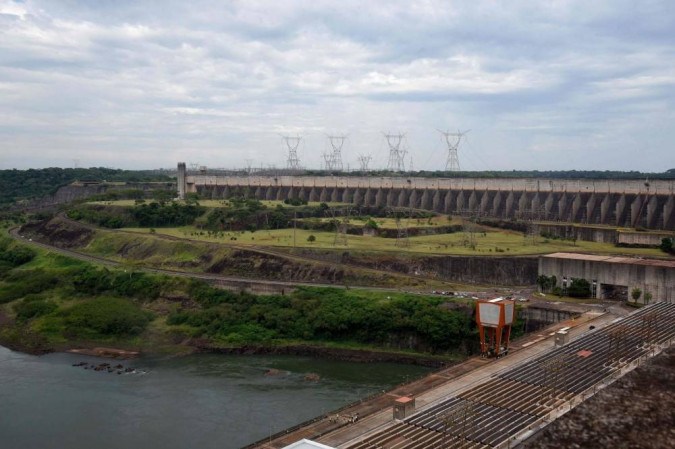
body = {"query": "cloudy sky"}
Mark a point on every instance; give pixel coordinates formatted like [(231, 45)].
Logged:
[(144, 84)]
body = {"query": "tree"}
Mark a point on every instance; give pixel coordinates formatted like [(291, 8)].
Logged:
[(666, 245), (546, 283), (579, 288), (371, 224), (647, 297), (311, 238), (635, 294), (192, 198), (162, 196)]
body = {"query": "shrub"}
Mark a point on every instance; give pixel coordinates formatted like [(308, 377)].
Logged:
[(18, 255), (579, 288), (5, 267), (647, 297), (295, 202), (371, 224), (27, 282), (27, 309), (106, 316)]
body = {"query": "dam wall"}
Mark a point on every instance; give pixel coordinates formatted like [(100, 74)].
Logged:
[(622, 203)]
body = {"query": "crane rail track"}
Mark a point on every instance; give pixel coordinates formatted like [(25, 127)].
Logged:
[(511, 404)]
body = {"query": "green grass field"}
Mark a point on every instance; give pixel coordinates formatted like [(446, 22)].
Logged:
[(390, 223), (494, 243), (484, 241)]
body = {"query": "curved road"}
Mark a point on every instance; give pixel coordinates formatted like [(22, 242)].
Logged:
[(263, 250), (14, 233)]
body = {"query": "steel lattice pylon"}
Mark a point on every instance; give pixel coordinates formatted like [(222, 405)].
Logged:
[(396, 153), (292, 144), (452, 140)]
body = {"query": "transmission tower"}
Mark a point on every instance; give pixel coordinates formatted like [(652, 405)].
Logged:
[(452, 140), (401, 228), (333, 158), (292, 144), (396, 153), (341, 225), (469, 226), (364, 161)]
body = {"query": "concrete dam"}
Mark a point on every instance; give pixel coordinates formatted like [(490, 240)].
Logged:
[(622, 203)]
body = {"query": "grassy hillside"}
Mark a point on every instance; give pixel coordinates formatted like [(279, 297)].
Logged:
[(271, 224)]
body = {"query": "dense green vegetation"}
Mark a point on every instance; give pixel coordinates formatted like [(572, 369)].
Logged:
[(407, 322), (668, 245), (35, 183), (579, 288), (546, 283), (154, 214), (246, 214), (58, 298), (105, 316), (61, 300), (12, 255)]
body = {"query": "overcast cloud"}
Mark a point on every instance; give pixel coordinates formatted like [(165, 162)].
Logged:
[(144, 84)]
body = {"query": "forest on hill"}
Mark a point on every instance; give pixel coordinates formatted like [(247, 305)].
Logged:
[(17, 185)]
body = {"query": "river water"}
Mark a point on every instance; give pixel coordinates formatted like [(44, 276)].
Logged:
[(198, 401)]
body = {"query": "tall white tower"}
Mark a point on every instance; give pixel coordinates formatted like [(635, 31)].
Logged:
[(333, 159), (452, 140), (364, 161), (396, 152), (292, 144)]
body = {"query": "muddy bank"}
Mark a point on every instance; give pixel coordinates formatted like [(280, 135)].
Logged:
[(636, 412), (111, 353)]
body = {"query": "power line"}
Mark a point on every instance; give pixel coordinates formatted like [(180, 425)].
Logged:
[(396, 153), (292, 144), (452, 140)]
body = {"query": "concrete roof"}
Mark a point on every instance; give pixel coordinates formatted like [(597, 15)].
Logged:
[(614, 259), (307, 444)]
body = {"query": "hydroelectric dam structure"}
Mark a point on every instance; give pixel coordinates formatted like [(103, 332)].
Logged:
[(613, 202)]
